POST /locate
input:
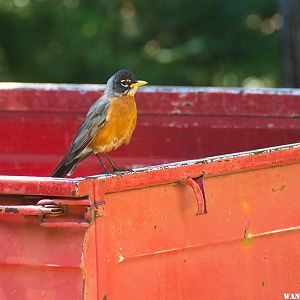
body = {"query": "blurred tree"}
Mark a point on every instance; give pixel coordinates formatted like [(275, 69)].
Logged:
[(290, 42), (208, 42)]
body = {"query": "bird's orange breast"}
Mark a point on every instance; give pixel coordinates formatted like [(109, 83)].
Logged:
[(118, 127)]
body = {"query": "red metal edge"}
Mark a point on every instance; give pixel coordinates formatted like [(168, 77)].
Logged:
[(207, 167), (155, 175), (44, 186), (172, 100)]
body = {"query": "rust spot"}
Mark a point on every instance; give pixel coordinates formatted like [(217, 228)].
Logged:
[(247, 235), (104, 297), (246, 230), (154, 227), (176, 111), (98, 210), (11, 210), (262, 283), (188, 104), (279, 189), (99, 203)]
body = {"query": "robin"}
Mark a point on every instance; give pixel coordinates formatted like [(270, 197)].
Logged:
[(109, 123)]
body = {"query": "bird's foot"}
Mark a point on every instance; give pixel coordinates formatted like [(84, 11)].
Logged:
[(117, 170), (107, 172)]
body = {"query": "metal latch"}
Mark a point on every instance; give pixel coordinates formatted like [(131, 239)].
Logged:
[(198, 188), (47, 209)]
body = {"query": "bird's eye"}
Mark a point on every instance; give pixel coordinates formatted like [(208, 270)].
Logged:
[(125, 83)]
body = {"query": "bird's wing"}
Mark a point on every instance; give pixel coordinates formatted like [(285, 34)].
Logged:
[(94, 120)]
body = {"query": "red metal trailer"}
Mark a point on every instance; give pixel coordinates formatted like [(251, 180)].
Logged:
[(222, 227)]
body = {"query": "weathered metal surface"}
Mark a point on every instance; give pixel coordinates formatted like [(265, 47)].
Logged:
[(39, 263), (189, 123), (173, 172), (42, 186), (207, 167), (147, 242), (150, 245), (137, 235)]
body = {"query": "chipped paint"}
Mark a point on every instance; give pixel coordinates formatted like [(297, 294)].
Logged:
[(53, 265), (121, 258), (13, 210)]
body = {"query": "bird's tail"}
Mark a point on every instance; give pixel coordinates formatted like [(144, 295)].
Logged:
[(66, 166)]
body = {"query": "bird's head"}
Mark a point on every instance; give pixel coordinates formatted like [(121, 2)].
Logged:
[(123, 83)]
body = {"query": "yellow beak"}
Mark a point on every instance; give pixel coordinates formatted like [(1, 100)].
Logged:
[(138, 83)]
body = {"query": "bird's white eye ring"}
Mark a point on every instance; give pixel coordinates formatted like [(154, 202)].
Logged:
[(125, 83)]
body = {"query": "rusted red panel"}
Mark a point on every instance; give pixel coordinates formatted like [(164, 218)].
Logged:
[(155, 100), (147, 242), (140, 235), (39, 263), (38, 186), (189, 123), (150, 244)]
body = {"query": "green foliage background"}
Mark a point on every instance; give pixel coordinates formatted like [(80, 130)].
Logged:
[(170, 42)]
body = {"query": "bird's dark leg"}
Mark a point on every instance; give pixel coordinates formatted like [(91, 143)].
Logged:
[(102, 164), (115, 169)]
